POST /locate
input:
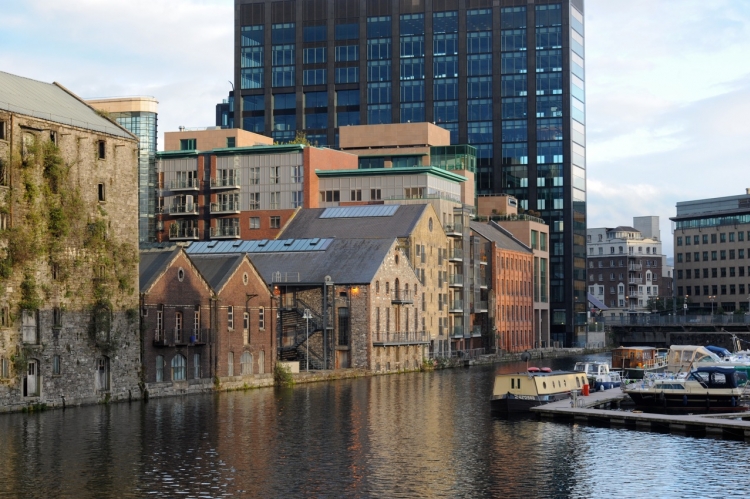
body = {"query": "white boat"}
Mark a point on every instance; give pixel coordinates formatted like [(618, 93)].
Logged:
[(599, 375), (684, 358)]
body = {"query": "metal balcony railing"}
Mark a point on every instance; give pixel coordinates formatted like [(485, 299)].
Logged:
[(230, 207), (183, 209), (455, 254), (480, 306), (635, 267), (402, 296), (456, 306), (177, 232), (454, 229), (635, 280), (228, 182), (190, 184), (225, 232), (400, 338)]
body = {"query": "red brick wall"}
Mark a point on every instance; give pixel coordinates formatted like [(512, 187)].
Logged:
[(513, 288), (265, 231)]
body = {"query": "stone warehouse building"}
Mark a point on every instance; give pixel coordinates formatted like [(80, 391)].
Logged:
[(360, 295), (68, 250), (204, 317)]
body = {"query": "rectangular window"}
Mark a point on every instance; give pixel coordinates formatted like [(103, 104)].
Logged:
[(230, 317), (314, 33), (355, 195), (375, 194), (102, 193), (261, 318), (478, 64), (379, 70), (196, 365), (346, 31), (314, 76), (314, 55), (346, 53), (102, 149), (255, 222), (297, 199), (282, 76), (3, 133), (379, 114), (246, 321), (330, 196), (275, 203), (347, 75)]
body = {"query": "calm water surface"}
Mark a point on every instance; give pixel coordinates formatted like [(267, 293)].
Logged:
[(402, 436)]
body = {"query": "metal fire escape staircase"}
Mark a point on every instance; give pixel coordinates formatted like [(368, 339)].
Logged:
[(293, 317)]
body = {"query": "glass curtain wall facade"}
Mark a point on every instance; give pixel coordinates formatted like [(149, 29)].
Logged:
[(504, 76), (143, 125)]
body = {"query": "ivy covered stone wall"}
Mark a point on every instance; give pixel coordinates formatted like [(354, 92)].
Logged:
[(68, 265)]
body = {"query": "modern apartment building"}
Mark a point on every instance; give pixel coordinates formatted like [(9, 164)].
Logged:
[(139, 116), (712, 252), (504, 76), (626, 267)]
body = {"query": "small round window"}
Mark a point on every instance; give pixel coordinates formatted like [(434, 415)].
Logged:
[(180, 274), (244, 278)]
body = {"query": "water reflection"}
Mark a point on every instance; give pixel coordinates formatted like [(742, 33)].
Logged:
[(414, 435)]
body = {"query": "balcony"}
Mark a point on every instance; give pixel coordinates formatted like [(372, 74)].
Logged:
[(635, 267), (160, 338), (401, 297), (482, 258), (183, 209), (635, 280), (230, 182), (457, 332), (456, 307), (454, 230), (232, 208), (455, 254), (190, 184), (480, 307), (400, 338), (456, 280), (481, 281), (180, 336), (181, 233), (225, 232)]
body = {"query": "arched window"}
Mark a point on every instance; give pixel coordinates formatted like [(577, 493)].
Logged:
[(261, 362), (246, 363), (159, 368), (178, 368)]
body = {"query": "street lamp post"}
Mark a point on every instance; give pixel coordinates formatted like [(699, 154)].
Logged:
[(684, 306), (712, 298), (307, 316)]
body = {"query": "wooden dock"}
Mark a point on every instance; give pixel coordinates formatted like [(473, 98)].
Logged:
[(600, 408)]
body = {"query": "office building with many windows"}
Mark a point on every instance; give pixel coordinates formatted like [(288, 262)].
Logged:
[(504, 76), (712, 253)]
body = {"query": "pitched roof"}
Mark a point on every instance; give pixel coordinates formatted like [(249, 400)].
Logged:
[(217, 269), (502, 238), (152, 265), (309, 223), (346, 261), (53, 102), (596, 303)]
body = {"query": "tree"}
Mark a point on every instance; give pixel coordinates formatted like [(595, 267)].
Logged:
[(300, 138)]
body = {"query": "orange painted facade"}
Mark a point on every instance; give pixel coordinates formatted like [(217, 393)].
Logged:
[(514, 318)]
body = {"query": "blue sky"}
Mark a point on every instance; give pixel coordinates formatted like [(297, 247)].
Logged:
[(668, 84)]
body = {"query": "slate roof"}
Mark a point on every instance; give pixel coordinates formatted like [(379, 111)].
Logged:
[(217, 269), (258, 246), (308, 224), (347, 261), (53, 102), (152, 264), (502, 238)]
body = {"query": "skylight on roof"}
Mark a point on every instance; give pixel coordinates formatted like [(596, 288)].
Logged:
[(360, 211)]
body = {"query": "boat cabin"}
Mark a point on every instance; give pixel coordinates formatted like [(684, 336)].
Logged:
[(634, 357), (683, 358)]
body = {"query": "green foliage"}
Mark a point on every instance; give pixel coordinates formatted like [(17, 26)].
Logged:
[(29, 296), (282, 376), (53, 166), (300, 138)]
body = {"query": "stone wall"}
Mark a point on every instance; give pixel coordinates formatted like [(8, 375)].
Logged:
[(69, 239)]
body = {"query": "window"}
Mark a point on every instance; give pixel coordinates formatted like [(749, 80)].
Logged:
[(261, 318), (3, 133), (254, 200), (246, 363), (179, 364), (297, 199), (178, 338), (375, 194), (231, 141), (314, 55), (314, 76), (275, 200), (355, 195), (159, 368), (230, 364), (344, 53), (275, 222), (346, 75), (246, 323), (255, 222), (230, 317), (55, 365), (330, 196), (102, 192), (102, 149), (196, 366)]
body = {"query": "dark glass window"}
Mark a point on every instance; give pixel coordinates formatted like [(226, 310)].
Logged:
[(548, 60), (479, 109), (378, 114), (314, 55), (347, 53), (515, 130), (515, 154), (378, 27), (316, 120), (283, 55), (548, 15), (411, 24), (412, 46), (316, 99), (549, 83), (347, 118), (549, 106), (445, 22), (479, 42), (379, 70), (445, 44), (549, 129), (346, 31), (254, 124), (412, 112), (446, 111), (251, 57), (284, 101), (512, 40), (412, 69), (285, 122), (513, 62), (282, 33), (514, 108), (549, 152), (379, 48), (314, 76), (365, 162), (347, 75), (251, 78), (253, 102), (453, 129), (549, 38), (379, 93), (445, 66), (347, 98), (412, 91), (512, 85), (251, 36), (479, 64), (513, 18), (445, 89), (314, 33), (479, 20), (479, 131)]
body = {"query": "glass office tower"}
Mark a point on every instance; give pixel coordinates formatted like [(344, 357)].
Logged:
[(506, 76)]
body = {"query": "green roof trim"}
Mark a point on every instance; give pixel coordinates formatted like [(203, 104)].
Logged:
[(275, 149), (413, 170), (177, 154), (389, 155)]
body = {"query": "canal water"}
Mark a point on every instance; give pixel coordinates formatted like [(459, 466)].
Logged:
[(401, 436)]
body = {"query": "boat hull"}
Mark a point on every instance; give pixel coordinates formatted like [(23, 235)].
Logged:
[(511, 404), (695, 403)]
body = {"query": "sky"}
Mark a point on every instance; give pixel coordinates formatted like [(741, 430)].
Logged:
[(667, 84)]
